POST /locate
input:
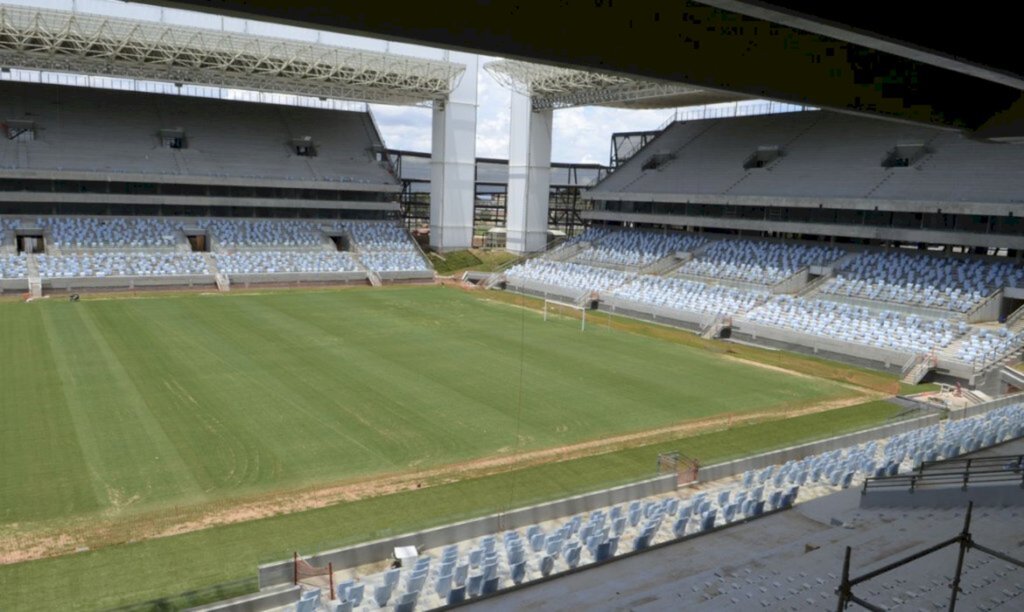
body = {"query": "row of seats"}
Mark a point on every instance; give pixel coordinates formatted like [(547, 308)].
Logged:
[(111, 232), (916, 279), (13, 266), (765, 263), (484, 565), (568, 275), (636, 247), (380, 237), (691, 296), (989, 346), (121, 264), (272, 262), (857, 324), (249, 233), (7, 225)]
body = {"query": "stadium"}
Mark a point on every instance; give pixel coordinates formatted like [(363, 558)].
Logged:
[(260, 358)]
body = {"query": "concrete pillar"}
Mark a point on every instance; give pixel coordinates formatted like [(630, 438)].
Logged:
[(529, 176), (453, 162)]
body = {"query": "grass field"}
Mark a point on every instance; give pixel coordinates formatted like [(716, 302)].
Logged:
[(124, 404), (160, 569), (119, 410)]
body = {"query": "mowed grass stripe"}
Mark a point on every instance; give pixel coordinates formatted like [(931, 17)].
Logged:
[(178, 400), (37, 426), (133, 573)]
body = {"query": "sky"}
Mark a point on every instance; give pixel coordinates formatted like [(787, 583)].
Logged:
[(580, 135)]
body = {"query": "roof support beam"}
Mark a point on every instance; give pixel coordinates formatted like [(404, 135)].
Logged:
[(680, 42)]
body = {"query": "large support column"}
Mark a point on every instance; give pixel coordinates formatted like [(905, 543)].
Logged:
[(453, 162), (529, 176)]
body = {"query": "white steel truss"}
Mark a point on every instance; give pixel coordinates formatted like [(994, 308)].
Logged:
[(62, 41), (555, 87)]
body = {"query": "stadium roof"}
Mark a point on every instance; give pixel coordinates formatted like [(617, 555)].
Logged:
[(64, 41), (928, 66), (555, 87)]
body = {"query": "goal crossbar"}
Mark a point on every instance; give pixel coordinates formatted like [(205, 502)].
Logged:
[(554, 305)]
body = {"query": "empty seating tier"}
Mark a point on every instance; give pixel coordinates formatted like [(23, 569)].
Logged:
[(121, 264), (116, 132), (13, 266), (917, 279), (275, 262), (989, 346), (634, 247), (483, 565), (765, 263), (568, 275), (380, 237), (236, 233), (857, 324), (111, 232), (690, 295)]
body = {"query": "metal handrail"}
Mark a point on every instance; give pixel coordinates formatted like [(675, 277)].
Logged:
[(1009, 470)]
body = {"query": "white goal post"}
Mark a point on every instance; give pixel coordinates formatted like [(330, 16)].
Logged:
[(555, 308)]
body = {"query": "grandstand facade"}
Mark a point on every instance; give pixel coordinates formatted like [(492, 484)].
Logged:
[(70, 150), (114, 190)]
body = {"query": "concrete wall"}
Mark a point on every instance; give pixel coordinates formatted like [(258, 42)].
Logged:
[(733, 468), (129, 282), (545, 290), (988, 310), (407, 275), (281, 572), (971, 411), (255, 602), (794, 283), (19, 285), (951, 496), (306, 277), (885, 359), (669, 316)]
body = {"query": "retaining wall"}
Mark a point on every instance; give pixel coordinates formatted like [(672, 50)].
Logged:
[(255, 602)]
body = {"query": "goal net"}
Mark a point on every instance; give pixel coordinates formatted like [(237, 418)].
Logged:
[(553, 310)]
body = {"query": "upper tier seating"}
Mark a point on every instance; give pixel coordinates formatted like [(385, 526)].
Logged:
[(568, 275), (918, 279), (824, 155), (273, 262), (765, 263), (885, 329), (13, 266), (635, 247), (691, 296), (7, 225), (989, 346), (117, 132), (249, 233), (111, 232), (121, 264)]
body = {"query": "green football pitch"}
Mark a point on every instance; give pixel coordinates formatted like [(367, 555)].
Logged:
[(122, 405)]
